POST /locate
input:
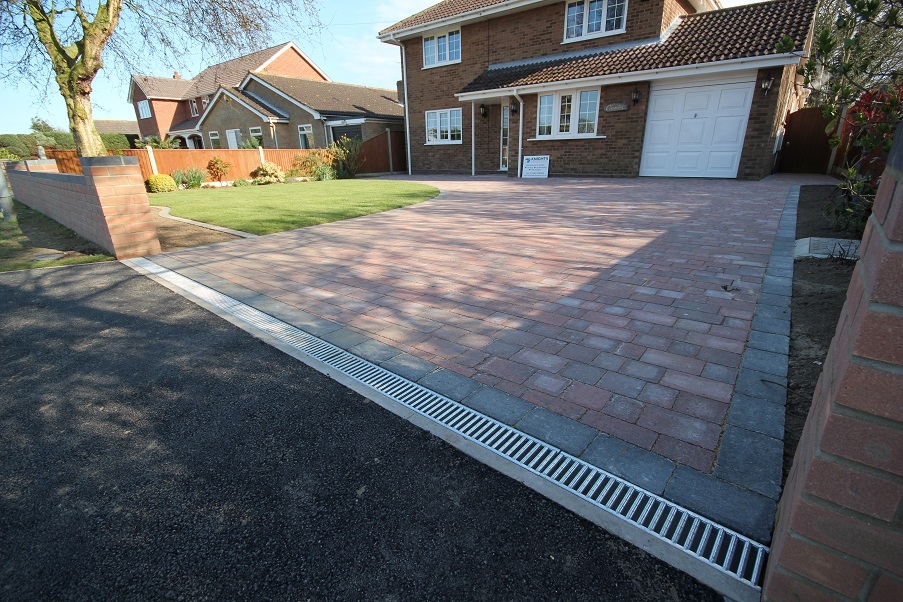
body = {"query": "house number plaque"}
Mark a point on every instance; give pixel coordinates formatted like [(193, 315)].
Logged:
[(616, 106)]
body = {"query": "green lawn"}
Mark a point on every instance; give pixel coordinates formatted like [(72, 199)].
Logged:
[(279, 207)]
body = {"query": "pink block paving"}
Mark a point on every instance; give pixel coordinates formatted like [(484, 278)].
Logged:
[(598, 299)]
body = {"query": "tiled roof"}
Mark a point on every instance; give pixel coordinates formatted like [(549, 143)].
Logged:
[(163, 87), (116, 126), (446, 8), (259, 105), (734, 33), (229, 73), (188, 124), (335, 99)]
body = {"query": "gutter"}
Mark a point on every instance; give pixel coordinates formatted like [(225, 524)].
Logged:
[(407, 117)]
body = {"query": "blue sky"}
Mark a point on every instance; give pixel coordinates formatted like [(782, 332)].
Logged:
[(347, 51)]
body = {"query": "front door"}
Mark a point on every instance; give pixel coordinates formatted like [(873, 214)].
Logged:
[(233, 138), (506, 117)]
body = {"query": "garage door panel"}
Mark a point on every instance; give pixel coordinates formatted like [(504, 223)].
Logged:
[(728, 130), (692, 131), (723, 160), (688, 160), (696, 131), (659, 132), (734, 99)]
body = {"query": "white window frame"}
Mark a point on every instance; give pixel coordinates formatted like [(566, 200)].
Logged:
[(144, 111), (193, 107), (256, 132), (448, 114), (304, 131), (204, 102), (432, 58), (214, 136), (575, 94), (588, 35)]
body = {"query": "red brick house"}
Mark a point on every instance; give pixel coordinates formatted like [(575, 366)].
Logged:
[(601, 87), (172, 107)]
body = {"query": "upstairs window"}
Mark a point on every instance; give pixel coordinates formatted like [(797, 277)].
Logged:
[(193, 105), (204, 102), (568, 114), (442, 49), (594, 18), (143, 109)]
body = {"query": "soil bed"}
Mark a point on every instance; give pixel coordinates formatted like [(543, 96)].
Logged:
[(819, 292)]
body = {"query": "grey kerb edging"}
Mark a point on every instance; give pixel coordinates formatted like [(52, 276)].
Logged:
[(743, 490)]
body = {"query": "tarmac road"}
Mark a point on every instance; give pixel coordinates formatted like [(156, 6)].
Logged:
[(150, 450)]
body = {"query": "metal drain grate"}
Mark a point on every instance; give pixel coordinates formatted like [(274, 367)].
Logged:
[(718, 546)]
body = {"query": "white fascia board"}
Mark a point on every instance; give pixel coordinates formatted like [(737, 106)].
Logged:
[(299, 51), (459, 19), (132, 83), (758, 62), (223, 92), (356, 121), (272, 88)]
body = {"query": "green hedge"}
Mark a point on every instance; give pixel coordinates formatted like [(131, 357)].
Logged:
[(26, 145)]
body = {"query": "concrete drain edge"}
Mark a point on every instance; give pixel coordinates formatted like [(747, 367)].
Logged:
[(719, 557)]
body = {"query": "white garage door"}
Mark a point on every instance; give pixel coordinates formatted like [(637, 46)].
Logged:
[(696, 130)]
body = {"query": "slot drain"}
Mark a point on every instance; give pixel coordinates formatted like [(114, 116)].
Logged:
[(715, 545)]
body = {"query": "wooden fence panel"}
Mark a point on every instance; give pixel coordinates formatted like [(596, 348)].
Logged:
[(143, 159), (375, 152), (66, 161), (242, 161)]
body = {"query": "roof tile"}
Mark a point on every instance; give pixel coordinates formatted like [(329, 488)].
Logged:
[(445, 9), (333, 98)]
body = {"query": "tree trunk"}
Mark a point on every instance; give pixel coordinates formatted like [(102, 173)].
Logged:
[(81, 124)]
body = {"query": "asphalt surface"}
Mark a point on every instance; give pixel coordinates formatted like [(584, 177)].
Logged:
[(150, 450)]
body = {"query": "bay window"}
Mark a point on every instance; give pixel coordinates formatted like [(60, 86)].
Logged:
[(443, 127), (594, 18), (568, 114)]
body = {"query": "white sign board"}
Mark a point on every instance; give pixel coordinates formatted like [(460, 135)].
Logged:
[(536, 166)]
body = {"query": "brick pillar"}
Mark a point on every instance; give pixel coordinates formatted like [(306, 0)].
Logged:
[(839, 533), (124, 204)]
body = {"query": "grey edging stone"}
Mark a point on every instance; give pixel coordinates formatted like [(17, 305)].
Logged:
[(450, 384), (739, 509), (498, 404), (635, 464), (751, 452), (567, 435)]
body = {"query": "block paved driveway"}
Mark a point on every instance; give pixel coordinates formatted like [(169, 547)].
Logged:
[(623, 304)]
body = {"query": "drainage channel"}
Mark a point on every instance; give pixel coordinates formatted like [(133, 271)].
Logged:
[(696, 538)]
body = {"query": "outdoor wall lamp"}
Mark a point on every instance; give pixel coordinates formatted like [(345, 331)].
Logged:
[(483, 110), (514, 108), (766, 83), (635, 95)]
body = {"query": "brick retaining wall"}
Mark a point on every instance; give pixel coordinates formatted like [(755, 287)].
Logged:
[(107, 205), (839, 534)]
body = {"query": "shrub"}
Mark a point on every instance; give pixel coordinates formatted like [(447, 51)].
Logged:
[(5, 155), (156, 142), (347, 156), (16, 144), (218, 169), (161, 182), (241, 182), (62, 140), (192, 177), (115, 141), (268, 173), (251, 142), (316, 165)]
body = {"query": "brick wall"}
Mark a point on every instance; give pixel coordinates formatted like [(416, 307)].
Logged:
[(227, 114), (292, 64), (765, 117), (107, 205), (839, 533)]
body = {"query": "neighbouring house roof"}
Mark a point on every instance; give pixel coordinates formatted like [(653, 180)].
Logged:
[(116, 126), (259, 104), (227, 74), (447, 9), (335, 99), (733, 33), (188, 124), (166, 88)]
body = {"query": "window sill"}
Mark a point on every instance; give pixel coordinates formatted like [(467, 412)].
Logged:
[(584, 137), (443, 143), (445, 64), (592, 36)]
